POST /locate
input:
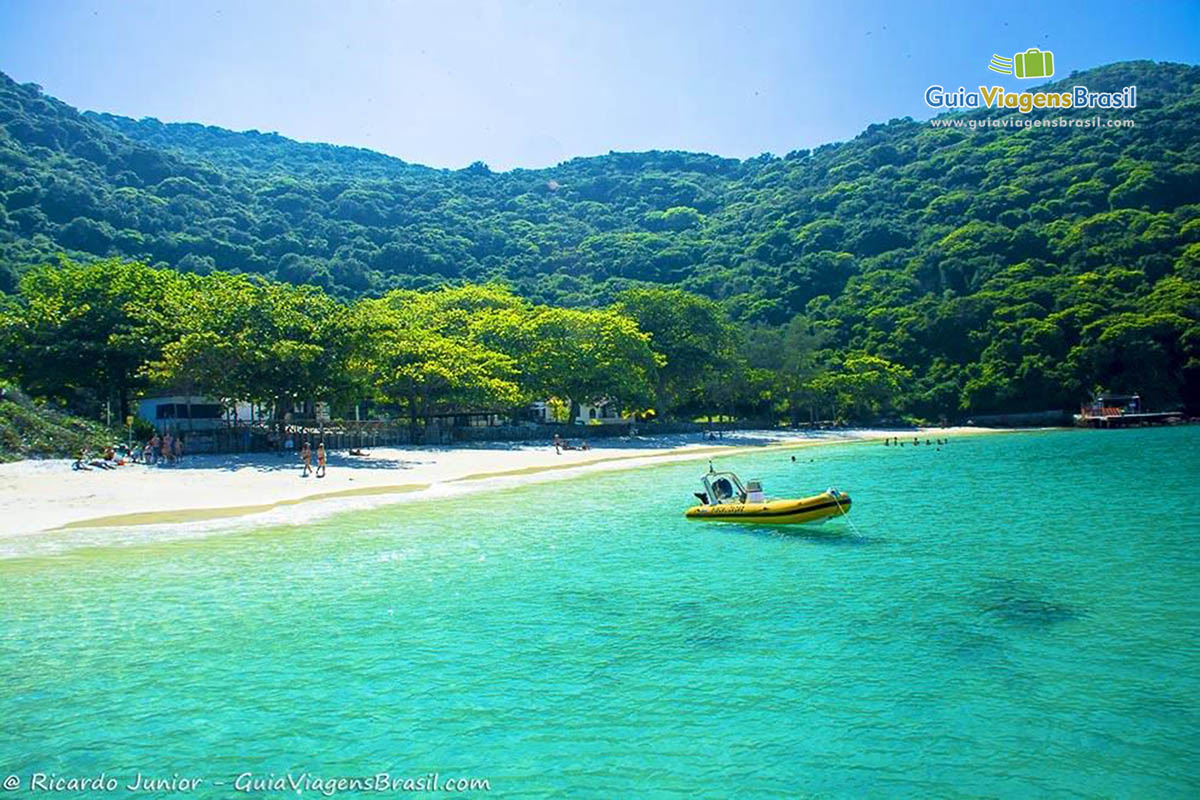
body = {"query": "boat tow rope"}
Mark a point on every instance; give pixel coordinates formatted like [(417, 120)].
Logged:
[(837, 498)]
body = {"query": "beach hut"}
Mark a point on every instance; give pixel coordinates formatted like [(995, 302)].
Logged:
[(183, 413)]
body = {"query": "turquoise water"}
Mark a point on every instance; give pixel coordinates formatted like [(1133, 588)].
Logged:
[(1011, 616)]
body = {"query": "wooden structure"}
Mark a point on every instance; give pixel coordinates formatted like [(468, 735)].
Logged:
[(1121, 411)]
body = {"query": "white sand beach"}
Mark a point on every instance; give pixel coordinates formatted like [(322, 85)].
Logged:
[(45, 495)]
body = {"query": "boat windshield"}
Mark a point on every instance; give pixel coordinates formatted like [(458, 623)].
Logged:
[(724, 487)]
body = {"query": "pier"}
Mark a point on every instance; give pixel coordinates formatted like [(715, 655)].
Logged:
[(1122, 411)]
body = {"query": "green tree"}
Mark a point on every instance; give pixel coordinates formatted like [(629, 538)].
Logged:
[(692, 335), (252, 339), (586, 356), (401, 354), (862, 386), (81, 332)]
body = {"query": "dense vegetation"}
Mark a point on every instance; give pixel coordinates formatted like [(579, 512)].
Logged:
[(30, 428), (94, 334), (961, 271)]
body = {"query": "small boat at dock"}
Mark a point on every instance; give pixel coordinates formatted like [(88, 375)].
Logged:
[(726, 499)]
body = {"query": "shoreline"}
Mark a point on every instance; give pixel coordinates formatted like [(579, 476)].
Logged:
[(49, 497)]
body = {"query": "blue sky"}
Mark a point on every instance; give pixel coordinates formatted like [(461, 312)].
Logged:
[(533, 83)]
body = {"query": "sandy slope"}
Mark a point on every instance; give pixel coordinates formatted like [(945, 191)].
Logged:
[(44, 495)]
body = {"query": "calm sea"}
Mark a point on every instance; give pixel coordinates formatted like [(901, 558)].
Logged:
[(1008, 616)]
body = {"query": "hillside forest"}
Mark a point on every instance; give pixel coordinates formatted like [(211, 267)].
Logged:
[(917, 271)]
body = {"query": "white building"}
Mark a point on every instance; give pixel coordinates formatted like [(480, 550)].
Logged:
[(180, 413), (600, 413)]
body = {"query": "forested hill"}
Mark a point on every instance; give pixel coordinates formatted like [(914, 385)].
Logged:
[(262, 152), (1005, 267)]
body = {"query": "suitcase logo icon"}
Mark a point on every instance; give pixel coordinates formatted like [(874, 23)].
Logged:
[(1033, 63)]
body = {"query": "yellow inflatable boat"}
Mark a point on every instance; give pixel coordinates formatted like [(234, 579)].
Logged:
[(726, 499)]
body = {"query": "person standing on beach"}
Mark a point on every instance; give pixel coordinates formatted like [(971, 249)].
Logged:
[(166, 447), (306, 457), (155, 444), (321, 460), (178, 448)]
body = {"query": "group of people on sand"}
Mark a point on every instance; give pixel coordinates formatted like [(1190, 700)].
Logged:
[(166, 449), (561, 444), (306, 456)]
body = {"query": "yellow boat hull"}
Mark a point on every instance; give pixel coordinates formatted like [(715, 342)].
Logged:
[(775, 512)]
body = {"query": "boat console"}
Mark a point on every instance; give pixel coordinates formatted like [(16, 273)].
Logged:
[(722, 487)]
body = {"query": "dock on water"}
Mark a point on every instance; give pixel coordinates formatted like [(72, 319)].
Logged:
[(1121, 411)]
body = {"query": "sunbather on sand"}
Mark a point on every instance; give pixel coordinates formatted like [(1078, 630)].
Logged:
[(106, 462)]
